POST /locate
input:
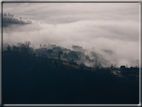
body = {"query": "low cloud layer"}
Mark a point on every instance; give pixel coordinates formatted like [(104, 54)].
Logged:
[(112, 32)]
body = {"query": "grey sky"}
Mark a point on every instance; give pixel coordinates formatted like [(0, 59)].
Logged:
[(111, 26), (64, 12)]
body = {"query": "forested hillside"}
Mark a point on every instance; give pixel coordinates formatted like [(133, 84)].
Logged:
[(32, 79)]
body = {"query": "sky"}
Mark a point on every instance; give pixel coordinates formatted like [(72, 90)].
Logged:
[(110, 29)]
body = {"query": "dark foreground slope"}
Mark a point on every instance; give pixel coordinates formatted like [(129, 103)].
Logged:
[(28, 79)]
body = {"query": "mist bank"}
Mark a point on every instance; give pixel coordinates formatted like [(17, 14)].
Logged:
[(111, 39), (76, 54)]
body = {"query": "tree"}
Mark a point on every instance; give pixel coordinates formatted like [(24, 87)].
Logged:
[(49, 51), (25, 47), (97, 65), (27, 44), (81, 66), (15, 49), (8, 48), (112, 67), (74, 56), (59, 54), (65, 54)]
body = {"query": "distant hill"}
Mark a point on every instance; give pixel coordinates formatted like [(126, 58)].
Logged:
[(76, 54), (31, 79), (9, 19)]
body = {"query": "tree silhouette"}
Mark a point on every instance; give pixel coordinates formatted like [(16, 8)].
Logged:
[(97, 65), (81, 66), (27, 44), (50, 51), (59, 54), (65, 54), (39, 77), (9, 48)]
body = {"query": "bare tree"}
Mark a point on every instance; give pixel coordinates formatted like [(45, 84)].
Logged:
[(27, 44)]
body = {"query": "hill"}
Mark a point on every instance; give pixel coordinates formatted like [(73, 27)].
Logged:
[(31, 79)]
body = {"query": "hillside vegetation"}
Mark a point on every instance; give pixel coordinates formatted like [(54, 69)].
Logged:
[(31, 79)]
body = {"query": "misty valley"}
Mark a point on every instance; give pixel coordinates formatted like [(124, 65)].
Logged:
[(53, 74)]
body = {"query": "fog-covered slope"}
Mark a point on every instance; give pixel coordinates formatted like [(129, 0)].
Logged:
[(77, 54)]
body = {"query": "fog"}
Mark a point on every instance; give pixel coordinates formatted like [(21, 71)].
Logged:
[(111, 30)]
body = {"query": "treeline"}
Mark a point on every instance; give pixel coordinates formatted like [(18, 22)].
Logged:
[(31, 79)]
